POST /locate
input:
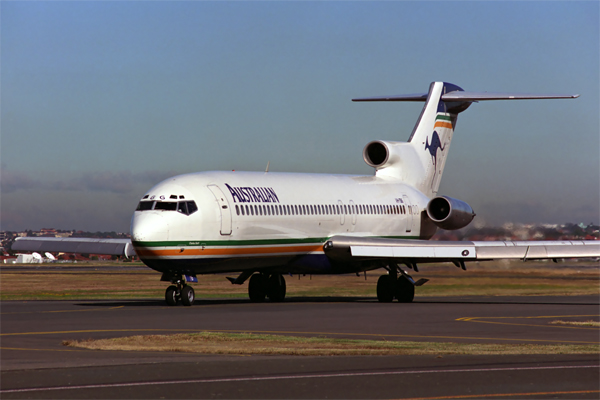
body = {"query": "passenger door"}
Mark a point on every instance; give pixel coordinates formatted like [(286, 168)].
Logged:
[(224, 209)]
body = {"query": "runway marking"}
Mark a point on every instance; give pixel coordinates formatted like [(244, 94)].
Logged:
[(376, 335), (478, 396), (480, 320), (290, 377)]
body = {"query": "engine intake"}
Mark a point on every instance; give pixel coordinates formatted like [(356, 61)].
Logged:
[(376, 154), (448, 213)]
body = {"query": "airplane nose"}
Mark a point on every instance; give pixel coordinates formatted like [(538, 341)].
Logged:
[(149, 227)]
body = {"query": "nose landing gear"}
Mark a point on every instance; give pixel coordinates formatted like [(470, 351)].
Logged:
[(180, 292)]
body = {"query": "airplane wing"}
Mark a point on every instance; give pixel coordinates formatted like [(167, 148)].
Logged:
[(117, 247), (426, 251)]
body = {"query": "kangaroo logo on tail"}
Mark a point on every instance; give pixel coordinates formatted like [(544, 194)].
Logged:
[(436, 144)]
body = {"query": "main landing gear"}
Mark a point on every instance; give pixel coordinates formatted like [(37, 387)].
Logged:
[(392, 286), (180, 292), (262, 285)]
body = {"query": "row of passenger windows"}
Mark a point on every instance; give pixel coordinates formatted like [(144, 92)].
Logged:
[(328, 209), (184, 207)]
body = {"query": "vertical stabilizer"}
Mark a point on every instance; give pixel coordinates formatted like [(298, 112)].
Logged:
[(432, 135)]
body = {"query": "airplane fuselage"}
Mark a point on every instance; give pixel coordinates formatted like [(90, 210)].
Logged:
[(270, 221)]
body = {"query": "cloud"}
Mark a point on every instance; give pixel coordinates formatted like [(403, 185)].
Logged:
[(119, 182), (11, 181)]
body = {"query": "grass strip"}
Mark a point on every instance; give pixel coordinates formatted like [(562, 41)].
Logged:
[(522, 279), (249, 343)]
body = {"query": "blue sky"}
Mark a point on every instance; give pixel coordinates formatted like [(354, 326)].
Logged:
[(102, 100)]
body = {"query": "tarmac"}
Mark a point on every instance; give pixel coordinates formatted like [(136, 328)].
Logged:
[(35, 364)]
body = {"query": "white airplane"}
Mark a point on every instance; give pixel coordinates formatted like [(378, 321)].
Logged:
[(264, 225)]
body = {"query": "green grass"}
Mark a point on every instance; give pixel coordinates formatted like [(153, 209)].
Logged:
[(484, 279)]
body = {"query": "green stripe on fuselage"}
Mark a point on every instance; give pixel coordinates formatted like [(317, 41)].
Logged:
[(444, 117)]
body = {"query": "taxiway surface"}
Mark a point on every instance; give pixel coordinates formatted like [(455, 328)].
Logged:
[(35, 364)]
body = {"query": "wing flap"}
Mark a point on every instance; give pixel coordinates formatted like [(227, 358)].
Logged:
[(118, 247)]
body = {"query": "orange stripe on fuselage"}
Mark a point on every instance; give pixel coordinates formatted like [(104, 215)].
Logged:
[(227, 251), (442, 124)]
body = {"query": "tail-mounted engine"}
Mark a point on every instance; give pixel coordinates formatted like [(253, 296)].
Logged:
[(448, 213), (393, 159)]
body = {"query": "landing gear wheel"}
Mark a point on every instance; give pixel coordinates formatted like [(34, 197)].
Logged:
[(187, 295), (171, 295), (405, 290), (257, 288), (385, 289), (276, 288)]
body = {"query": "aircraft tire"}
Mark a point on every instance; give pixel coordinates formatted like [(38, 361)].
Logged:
[(385, 289), (171, 295), (276, 288), (405, 290), (257, 288), (187, 295)]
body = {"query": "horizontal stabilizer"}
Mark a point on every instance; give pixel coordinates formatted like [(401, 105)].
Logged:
[(477, 96), (471, 96), (402, 97)]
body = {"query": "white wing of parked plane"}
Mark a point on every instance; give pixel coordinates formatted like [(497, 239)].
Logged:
[(117, 247)]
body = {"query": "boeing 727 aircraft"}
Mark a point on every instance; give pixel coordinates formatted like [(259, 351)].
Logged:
[(264, 225)]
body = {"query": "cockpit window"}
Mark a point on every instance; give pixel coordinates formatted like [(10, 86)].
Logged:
[(184, 207), (166, 205), (192, 208), (187, 207), (144, 205)]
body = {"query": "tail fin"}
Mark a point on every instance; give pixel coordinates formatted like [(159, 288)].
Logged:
[(421, 161), (432, 135)]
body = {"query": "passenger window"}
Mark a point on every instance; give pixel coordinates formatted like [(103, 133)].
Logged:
[(237, 209)]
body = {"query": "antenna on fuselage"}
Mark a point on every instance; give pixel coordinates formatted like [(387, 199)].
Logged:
[(267, 170)]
